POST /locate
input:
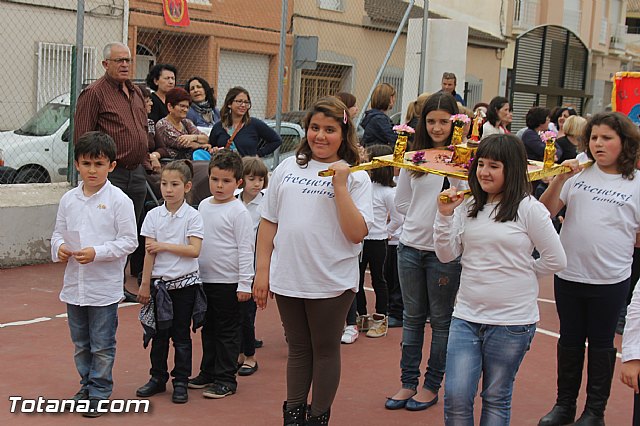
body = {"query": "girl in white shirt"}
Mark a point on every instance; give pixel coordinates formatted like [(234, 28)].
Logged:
[(374, 250), (428, 286), (308, 244), (254, 182), (598, 233), (173, 236), (496, 311)]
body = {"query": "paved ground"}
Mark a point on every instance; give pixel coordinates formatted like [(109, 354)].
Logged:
[(36, 360)]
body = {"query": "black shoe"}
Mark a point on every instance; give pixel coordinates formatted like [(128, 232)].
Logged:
[(599, 376), (199, 382), (180, 394), (93, 409), (217, 391), (247, 370), (83, 393), (258, 343), (151, 388), (322, 419), (570, 363), (296, 416)]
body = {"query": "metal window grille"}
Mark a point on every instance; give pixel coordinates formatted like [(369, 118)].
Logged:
[(325, 80), (54, 70)]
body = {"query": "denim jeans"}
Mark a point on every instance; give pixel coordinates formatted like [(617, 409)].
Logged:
[(493, 351), (428, 287), (93, 332)]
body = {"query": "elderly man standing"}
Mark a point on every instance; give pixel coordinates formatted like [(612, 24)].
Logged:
[(115, 106), (449, 81)]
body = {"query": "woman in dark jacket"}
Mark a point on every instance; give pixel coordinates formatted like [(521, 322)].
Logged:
[(378, 128), (252, 136)]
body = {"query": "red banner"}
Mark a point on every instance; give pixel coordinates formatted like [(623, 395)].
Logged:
[(625, 96), (175, 13)]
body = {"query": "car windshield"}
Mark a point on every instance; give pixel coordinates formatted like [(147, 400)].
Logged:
[(46, 121)]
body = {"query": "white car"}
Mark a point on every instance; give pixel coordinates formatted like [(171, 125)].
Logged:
[(38, 150)]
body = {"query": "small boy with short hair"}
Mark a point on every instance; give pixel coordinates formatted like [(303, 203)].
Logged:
[(226, 269), (94, 233)]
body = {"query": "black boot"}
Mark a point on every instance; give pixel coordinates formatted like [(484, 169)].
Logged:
[(322, 419), (599, 375), (570, 362), (295, 416)]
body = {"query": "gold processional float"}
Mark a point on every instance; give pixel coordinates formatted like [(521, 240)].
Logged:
[(455, 160)]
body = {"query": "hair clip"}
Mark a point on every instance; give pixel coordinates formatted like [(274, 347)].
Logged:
[(345, 118)]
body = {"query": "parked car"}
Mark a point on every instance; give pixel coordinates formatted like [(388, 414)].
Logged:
[(38, 150), (296, 117), (291, 135)]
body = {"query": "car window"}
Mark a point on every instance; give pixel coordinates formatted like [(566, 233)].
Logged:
[(290, 139), (46, 121)]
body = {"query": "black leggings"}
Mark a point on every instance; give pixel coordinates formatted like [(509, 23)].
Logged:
[(313, 328), (588, 311), (374, 253)]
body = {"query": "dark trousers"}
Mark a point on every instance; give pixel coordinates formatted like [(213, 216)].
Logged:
[(393, 282), (353, 313), (248, 327), (221, 334), (180, 332), (373, 254), (134, 184), (588, 312), (313, 328), (636, 409)]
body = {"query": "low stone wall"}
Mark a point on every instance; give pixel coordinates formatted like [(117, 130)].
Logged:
[(27, 218)]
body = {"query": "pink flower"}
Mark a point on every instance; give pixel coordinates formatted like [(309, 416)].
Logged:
[(460, 119), (418, 157), (549, 134), (403, 128)]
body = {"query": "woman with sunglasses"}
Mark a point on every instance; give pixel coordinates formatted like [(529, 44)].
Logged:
[(237, 131)]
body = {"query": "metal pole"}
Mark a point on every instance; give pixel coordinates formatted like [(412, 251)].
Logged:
[(403, 23), (281, 53), (423, 47), (76, 87)]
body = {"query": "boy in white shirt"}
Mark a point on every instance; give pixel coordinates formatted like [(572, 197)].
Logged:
[(95, 231), (226, 269)]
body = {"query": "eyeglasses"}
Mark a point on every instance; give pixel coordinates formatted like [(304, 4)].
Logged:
[(121, 60), (242, 102)]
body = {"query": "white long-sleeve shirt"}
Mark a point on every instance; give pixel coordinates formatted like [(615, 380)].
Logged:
[(227, 250), (383, 206), (105, 221), (631, 336), (417, 199), (499, 279)]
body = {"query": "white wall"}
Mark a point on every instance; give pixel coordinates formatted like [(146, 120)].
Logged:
[(446, 52), (28, 215)]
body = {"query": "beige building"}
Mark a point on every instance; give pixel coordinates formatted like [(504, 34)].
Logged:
[(354, 37), (38, 36)]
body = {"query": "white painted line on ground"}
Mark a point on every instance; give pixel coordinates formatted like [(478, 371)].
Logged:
[(25, 322), (43, 319), (557, 336)]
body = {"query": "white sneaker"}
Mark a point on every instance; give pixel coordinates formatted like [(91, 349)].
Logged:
[(350, 334)]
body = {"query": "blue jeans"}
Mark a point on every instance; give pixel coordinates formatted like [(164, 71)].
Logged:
[(429, 287), (493, 351), (93, 332)]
